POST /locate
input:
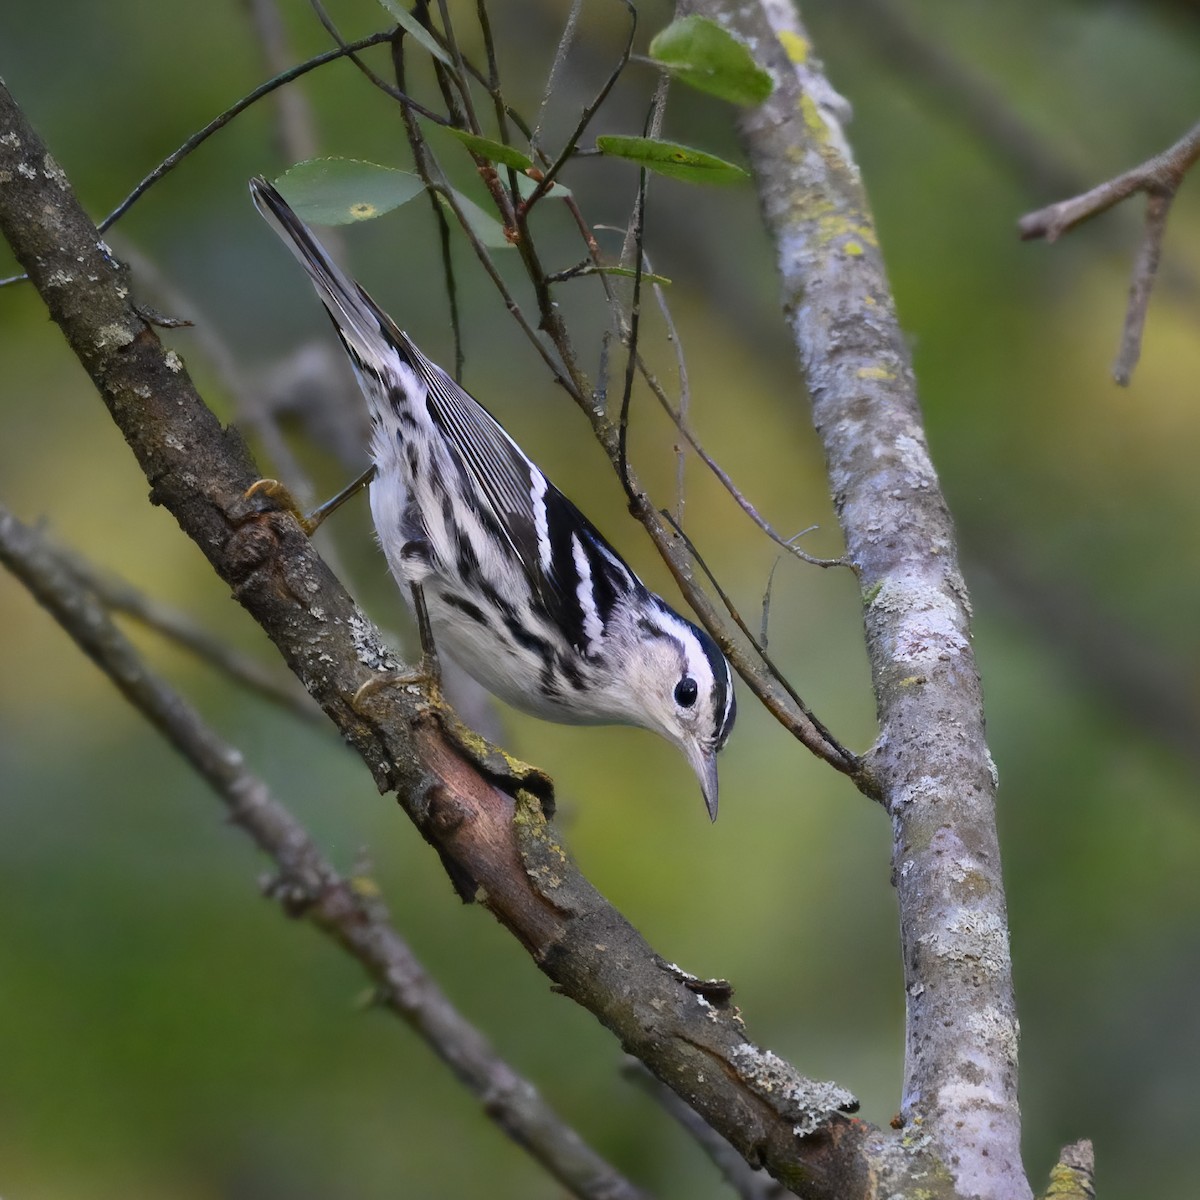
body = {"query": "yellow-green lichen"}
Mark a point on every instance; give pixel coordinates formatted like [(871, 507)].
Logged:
[(875, 373), (365, 887), (812, 118), (794, 46)]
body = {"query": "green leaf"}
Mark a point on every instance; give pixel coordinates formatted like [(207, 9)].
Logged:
[(483, 225), (629, 273), (340, 191), (527, 187), (670, 158), (497, 152), (700, 53), (416, 30)]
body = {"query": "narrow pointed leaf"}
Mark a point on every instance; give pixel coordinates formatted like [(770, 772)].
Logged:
[(416, 30), (497, 152), (629, 273), (670, 158), (340, 191), (704, 55)]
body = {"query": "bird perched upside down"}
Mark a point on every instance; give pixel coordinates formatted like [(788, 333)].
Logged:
[(520, 588)]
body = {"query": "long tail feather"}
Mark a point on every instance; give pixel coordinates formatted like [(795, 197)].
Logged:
[(369, 333)]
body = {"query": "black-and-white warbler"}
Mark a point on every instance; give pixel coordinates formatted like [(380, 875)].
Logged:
[(519, 586)]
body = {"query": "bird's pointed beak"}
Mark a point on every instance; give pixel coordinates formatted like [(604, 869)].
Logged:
[(704, 763)]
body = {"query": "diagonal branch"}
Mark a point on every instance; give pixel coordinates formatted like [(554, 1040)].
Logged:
[(478, 807), (307, 884), (931, 759)]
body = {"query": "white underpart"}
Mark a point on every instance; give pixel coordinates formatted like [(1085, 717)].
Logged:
[(537, 494), (592, 625)]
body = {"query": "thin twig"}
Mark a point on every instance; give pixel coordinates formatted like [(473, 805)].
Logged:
[(685, 390), (726, 480), (307, 884), (766, 602), (1145, 271), (676, 415), (119, 595), (431, 175), (589, 111), (173, 160), (219, 122), (382, 84), (638, 227), (565, 41), (745, 1180), (459, 73), (1160, 178), (847, 757)]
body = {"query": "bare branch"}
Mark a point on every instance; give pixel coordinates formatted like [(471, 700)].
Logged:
[(1160, 178), (307, 884), (1160, 175)]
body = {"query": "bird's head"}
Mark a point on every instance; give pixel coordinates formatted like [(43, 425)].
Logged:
[(684, 689)]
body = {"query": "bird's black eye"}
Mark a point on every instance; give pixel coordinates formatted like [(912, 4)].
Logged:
[(686, 692)]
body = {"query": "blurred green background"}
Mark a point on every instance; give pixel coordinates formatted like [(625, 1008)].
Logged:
[(164, 1032)]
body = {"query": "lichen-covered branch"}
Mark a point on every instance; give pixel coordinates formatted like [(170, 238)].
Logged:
[(476, 806), (931, 759)]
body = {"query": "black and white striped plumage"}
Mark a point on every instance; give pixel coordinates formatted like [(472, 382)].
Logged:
[(520, 587)]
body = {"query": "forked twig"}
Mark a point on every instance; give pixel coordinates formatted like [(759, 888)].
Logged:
[(1160, 178)]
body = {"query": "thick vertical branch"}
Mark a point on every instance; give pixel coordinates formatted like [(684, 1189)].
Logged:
[(932, 761)]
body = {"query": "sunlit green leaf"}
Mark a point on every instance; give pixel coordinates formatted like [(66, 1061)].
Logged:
[(340, 191), (670, 158), (700, 53), (497, 152), (416, 30), (483, 225)]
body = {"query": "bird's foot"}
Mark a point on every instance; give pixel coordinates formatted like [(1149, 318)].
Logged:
[(426, 676), (283, 500), (279, 497)]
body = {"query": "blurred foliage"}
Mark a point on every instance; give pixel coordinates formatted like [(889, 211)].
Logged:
[(163, 1032)]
